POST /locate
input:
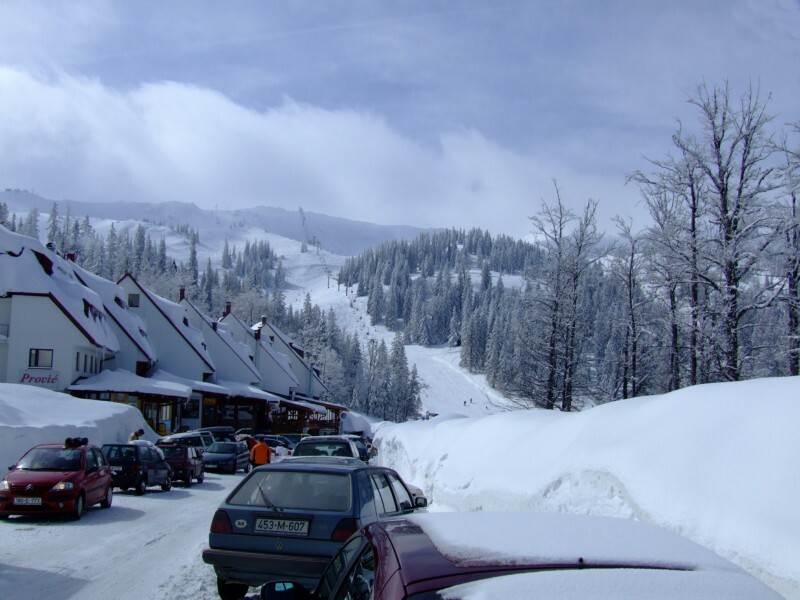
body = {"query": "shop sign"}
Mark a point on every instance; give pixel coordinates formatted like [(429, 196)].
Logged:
[(48, 379)]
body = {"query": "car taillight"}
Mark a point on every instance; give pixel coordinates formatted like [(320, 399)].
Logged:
[(221, 523), (344, 530)]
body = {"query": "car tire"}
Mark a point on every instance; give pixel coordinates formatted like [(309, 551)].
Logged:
[(167, 485), (3, 517), (231, 591), (77, 512), (201, 477), (141, 486), (188, 481), (106, 503)]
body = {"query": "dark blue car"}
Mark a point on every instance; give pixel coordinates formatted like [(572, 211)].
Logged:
[(227, 457), (285, 520)]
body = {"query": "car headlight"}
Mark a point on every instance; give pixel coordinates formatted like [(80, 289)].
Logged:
[(4, 486), (62, 486)]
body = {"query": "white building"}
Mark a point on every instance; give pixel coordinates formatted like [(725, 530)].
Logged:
[(248, 404), (53, 329)]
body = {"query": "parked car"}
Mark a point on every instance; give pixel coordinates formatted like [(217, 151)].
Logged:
[(220, 433), (328, 445), (285, 520), (522, 555), (361, 444), (281, 447), (199, 439), (227, 457), (138, 465), (61, 479), (295, 437), (185, 462)]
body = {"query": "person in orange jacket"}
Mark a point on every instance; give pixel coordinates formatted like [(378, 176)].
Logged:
[(260, 454)]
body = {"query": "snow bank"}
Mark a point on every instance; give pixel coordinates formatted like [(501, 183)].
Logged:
[(714, 463), (30, 415)]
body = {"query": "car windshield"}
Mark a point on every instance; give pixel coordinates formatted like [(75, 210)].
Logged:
[(222, 448), (51, 459), (294, 489), (322, 449)]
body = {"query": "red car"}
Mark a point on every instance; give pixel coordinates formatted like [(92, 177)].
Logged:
[(57, 479), (429, 556)]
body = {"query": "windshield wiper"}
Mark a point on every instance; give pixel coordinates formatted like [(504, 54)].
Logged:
[(267, 502)]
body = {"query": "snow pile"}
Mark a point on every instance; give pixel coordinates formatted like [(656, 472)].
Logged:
[(714, 463), (31, 415)]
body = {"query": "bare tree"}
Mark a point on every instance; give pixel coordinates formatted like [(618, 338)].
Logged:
[(733, 155), (790, 249), (570, 252)]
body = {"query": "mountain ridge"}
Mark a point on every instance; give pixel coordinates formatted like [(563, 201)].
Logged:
[(337, 235)]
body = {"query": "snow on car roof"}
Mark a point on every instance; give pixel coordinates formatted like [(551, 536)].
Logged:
[(477, 538), (615, 584)]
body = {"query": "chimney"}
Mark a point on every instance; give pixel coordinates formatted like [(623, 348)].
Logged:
[(214, 325), (258, 334), (182, 293), (72, 256), (227, 309), (263, 319)]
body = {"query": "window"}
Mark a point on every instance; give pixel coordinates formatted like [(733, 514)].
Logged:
[(133, 300), (77, 361), (383, 494), (40, 359), (91, 459), (338, 564), (359, 581), (191, 409), (403, 497)]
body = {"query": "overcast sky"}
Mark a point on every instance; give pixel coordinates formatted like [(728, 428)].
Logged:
[(420, 112)]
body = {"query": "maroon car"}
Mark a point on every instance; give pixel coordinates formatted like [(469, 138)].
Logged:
[(185, 462), (57, 479), (447, 555)]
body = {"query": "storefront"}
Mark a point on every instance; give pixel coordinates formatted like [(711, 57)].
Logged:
[(160, 402)]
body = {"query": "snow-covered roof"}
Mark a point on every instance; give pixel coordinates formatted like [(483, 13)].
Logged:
[(113, 296), (279, 357), (316, 408), (198, 386), (28, 267), (176, 314), (123, 381), (240, 350), (325, 403), (248, 391), (259, 326)]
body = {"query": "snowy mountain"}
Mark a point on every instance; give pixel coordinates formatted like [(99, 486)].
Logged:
[(334, 234)]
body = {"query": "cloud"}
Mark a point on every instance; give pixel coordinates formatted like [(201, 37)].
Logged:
[(70, 137)]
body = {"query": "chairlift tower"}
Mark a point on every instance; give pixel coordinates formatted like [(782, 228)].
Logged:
[(314, 242)]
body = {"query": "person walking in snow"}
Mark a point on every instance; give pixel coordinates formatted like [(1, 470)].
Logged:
[(136, 435), (260, 454)]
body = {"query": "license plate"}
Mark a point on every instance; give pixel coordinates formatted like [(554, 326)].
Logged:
[(290, 526), (27, 501), (116, 469)]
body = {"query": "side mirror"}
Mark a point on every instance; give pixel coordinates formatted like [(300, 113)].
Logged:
[(284, 590), (420, 502)]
